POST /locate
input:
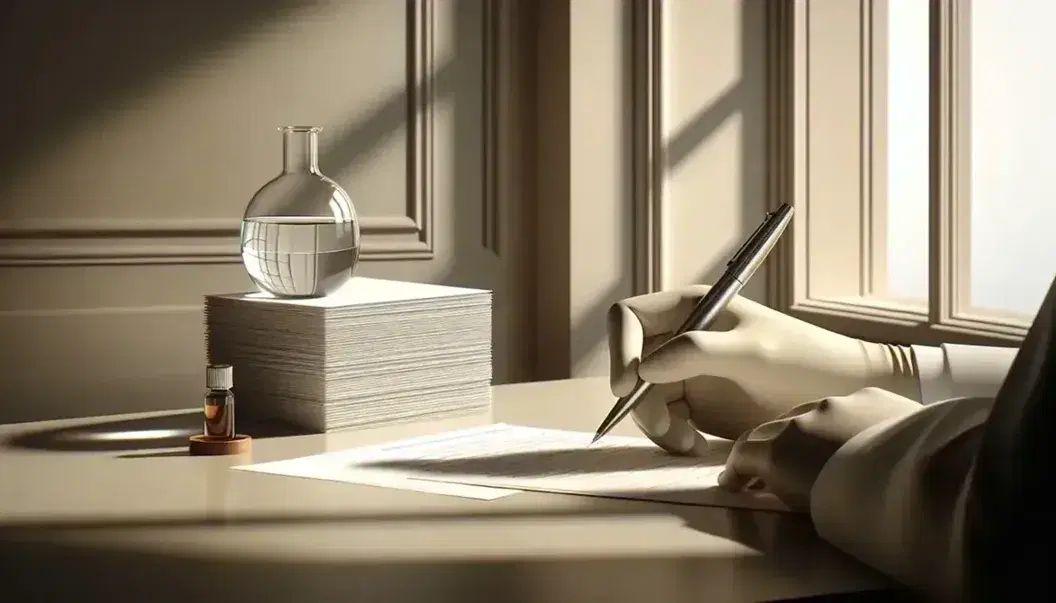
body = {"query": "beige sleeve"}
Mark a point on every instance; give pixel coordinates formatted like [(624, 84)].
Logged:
[(961, 371), (894, 496)]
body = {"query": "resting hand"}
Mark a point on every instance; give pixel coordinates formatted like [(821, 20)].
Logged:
[(785, 456), (752, 366)]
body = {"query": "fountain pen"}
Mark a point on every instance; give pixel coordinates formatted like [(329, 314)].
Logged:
[(739, 269)]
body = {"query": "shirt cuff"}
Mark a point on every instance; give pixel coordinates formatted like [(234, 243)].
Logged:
[(933, 374)]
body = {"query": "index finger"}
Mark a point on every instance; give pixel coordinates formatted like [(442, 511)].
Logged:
[(664, 311)]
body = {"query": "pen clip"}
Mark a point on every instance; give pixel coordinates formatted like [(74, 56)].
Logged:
[(750, 239)]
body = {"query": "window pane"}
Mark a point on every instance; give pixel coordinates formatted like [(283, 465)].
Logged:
[(1013, 202), (907, 150)]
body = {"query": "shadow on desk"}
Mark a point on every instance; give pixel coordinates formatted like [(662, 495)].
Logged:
[(563, 462), (68, 549), (872, 596), (164, 430), (33, 558)]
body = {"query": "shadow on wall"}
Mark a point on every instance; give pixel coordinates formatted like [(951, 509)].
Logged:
[(68, 61), (66, 80), (744, 98)]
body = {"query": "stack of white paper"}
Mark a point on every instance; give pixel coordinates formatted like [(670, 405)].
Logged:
[(375, 352)]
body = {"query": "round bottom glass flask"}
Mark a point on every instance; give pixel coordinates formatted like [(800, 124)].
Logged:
[(300, 232)]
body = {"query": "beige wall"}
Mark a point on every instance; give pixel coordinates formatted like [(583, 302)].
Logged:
[(144, 130)]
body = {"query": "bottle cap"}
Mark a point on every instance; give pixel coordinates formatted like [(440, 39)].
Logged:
[(219, 376)]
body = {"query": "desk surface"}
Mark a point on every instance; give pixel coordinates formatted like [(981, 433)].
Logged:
[(114, 506)]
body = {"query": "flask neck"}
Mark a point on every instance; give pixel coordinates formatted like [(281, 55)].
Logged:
[(300, 151)]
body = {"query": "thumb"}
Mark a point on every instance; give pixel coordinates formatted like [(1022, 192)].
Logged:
[(697, 353)]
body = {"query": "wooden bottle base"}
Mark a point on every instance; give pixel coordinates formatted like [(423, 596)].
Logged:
[(202, 445)]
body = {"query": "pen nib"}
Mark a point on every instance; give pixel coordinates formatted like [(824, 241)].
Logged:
[(597, 437)]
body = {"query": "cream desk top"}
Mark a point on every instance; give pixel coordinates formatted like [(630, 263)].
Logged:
[(113, 506)]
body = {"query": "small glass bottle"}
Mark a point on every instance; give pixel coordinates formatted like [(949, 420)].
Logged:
[(219, 402)]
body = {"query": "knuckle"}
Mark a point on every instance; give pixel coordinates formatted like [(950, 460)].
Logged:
[(826, 404), (870, 391), (766, 350)]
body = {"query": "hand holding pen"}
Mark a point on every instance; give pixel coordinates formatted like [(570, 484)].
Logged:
[(739, 270), (754, 364)]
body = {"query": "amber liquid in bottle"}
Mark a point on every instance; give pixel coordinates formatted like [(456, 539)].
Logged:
[(220, 414)]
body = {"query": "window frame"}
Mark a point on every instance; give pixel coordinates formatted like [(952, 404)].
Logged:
[(828, 145)]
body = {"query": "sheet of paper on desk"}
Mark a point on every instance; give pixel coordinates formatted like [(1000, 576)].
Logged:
[(548, 460), (365, 466)]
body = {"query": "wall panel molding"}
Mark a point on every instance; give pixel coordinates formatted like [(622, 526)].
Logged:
[(647, 145), (196, 241), (153, 310), (497, 32), (421, 103), (119, 241), (780, 102)]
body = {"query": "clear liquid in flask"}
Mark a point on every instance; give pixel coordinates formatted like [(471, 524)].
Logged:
[(299, 256)]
